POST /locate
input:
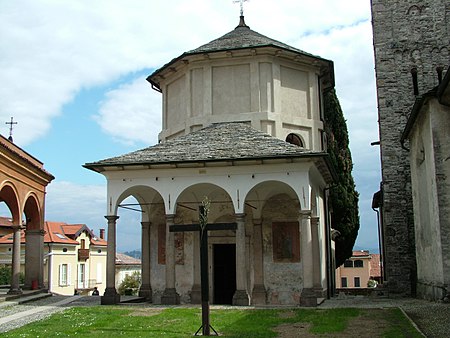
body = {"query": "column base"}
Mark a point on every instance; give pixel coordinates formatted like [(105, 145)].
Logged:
[(170, 297), (259, 295), (196, 294), (308, 298), (110, 297), (241, 298), (15, 291), (146, 292)]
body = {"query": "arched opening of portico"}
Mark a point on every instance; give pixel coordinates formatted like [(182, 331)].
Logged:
[(277, 273), (34, 242), (221, 244), (141, 213), (8, 204)]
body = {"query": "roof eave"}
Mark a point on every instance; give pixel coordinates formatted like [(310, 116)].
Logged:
[(101, 167), (155, 85)]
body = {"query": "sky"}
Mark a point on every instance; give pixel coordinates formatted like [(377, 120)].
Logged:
[(72, 75)]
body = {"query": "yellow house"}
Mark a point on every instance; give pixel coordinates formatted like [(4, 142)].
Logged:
[(74, 258), (358, 270)]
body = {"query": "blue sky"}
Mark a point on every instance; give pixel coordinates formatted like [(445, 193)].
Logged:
[(73, 77)]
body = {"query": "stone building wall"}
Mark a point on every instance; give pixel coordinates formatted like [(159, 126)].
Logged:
[(411, 40)]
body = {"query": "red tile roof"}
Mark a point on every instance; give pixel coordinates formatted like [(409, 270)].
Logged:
[(59, 232), (360, 253), (122, 259), (5, 221), (375, 266)]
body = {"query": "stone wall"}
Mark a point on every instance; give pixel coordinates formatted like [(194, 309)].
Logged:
[(411, 44)]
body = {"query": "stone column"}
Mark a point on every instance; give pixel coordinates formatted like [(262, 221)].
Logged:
[(317, 270), (241, 296), (111, 296), (196, 295), (307, 297), (34, 258), (146, 288), (259, 291), (15, 280), (170, 295)]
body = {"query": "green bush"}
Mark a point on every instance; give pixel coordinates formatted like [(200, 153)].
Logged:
[(130, 284), (5, 275)]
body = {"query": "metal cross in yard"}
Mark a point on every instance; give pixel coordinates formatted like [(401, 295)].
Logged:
[(203, 227)]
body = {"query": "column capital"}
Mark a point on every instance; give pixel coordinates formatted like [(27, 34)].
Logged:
[(146, 224), (112, 218), (40, 232), (16, 227), (240, 215), (315, 220), (170, 218), (305, 213), (257, 221)]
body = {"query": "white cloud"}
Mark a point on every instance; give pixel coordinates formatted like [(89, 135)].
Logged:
[(51, 50), (132, 113), (73, 203)]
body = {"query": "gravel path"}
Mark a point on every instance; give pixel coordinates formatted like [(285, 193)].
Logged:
[(14, 315)]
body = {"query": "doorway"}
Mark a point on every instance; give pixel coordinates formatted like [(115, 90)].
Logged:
[(224, 273)]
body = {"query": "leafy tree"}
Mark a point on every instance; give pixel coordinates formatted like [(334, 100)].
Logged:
[(130, 284), (343, 194)]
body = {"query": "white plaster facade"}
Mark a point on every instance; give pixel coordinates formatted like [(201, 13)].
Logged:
[(429, 143), (275, 89)]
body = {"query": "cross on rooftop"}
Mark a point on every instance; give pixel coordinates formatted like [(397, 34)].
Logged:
[(241, 2), (11, 128)]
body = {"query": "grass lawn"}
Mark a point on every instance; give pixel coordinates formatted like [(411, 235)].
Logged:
[(114, 321)]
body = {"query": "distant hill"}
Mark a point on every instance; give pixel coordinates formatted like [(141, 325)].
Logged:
[(134, 253)]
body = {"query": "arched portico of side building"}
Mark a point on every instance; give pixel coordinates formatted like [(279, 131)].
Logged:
[(23, 182)]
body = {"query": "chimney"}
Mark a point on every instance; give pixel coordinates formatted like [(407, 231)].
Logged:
[(102, 233)]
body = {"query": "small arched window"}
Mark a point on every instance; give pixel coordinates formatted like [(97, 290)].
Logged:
[(295, 139)]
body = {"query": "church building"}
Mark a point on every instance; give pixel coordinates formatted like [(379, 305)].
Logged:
[(243, 127)]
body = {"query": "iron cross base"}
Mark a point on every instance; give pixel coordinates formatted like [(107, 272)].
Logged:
[(205, 322), (204, 282)]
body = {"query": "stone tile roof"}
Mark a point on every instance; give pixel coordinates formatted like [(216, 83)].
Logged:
[(230, 141), (242, 37)]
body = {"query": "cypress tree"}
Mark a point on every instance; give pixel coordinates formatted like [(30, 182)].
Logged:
[(343, 194)]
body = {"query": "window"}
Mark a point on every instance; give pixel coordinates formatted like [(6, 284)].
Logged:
[(348, 264), (358, 263), (99, 273), (357, 282), (343, 282), (64, 275), (295, 139), (83, 244)]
